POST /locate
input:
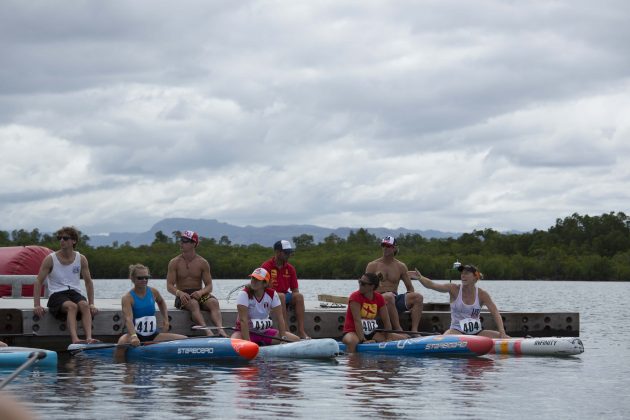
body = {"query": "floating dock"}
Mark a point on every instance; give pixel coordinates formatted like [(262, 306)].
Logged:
[(19, 326)]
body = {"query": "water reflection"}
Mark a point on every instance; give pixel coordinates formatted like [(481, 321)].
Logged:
[(368, 379), (467, 375), (276, 377), (390, 386), (81, 377)]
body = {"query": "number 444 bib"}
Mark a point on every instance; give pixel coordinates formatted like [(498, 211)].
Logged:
[(470, 325)]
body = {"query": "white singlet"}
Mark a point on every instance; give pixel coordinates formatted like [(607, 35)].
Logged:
[(460, 311), (65, 277)]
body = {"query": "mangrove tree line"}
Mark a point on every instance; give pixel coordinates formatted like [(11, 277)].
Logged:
[(575, 248)]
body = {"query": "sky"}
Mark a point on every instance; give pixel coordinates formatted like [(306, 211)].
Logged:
[(446, 115)]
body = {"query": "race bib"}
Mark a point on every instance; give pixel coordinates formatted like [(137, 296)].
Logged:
[(369, 325), (470, 325), (260, 324), (146, 326)]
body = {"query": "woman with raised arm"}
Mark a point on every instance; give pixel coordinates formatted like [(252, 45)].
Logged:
[(138, 307), (255, 304), (466, 302), (364, 305)]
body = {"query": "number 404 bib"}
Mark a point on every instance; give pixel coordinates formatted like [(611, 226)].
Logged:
[(470, 325)]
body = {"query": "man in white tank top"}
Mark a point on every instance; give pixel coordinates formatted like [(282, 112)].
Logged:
[(63, 269)]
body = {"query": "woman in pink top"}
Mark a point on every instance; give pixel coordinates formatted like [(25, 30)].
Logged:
[(466, 302)]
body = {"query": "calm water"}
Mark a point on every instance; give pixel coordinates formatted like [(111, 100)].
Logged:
[(590, 385)]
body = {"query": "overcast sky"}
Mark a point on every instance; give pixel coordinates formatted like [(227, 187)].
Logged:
[(448, 115)]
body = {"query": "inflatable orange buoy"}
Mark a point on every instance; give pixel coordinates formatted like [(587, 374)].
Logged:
[(245, 348), (21, 260)]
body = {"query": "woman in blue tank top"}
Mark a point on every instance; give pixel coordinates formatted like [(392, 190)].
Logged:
[(138, 307)]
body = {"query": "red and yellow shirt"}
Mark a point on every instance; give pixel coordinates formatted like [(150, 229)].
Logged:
[(283, 279), (369, 308)]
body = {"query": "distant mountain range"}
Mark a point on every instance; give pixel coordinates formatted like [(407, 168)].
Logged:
[(266, 235)]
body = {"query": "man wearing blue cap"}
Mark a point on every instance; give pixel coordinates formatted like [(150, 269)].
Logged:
[(284, 281)]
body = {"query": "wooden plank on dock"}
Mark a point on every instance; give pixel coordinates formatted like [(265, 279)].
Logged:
[(343, 300)]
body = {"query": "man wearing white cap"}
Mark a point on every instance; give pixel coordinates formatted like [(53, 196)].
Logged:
[(393, 271), (284, 281), (189, 279)]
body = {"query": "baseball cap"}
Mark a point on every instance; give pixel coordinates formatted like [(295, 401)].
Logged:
[(191, 235), (284, 246), (468, 267), (389, 241), (260, 274)]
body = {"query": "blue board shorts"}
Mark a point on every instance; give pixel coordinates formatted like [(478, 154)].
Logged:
[(288, 296), (401, 306)]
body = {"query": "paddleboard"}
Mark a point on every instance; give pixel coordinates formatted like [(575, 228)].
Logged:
[(435, 345), (192, 349), (16, 356), (321, 348), (542, 346)]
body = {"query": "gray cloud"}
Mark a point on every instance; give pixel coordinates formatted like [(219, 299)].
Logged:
[(442, 115)]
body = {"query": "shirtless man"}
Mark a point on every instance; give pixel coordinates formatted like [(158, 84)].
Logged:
[(186, 275), (393, 271), (63, 269)]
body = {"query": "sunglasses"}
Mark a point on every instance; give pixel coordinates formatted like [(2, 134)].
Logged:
[(65, 238), (143, 277), (186, 240), (363, 283)]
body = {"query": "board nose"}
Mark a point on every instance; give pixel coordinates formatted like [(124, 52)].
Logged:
[(479, 344), (245, 348)]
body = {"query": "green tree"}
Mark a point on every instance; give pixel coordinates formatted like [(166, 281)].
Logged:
[(362, 237), (303, 241), (5, 239), (160, 238)]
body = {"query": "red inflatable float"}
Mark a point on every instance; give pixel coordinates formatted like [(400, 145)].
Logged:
[(21, 260)]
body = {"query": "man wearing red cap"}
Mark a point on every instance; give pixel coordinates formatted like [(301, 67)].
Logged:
[(393, 271), (189, 279), (284, 281)]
